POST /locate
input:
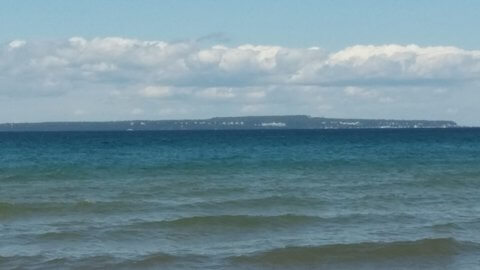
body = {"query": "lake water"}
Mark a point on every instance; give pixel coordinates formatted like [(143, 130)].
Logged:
[(272, 199)]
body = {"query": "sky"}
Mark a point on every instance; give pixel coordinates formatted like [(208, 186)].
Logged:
[(120, 60)]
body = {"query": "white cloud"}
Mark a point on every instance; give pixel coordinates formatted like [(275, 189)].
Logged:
[(251, 108), (116, 71), (393, 64), (137, 111), (99, 67), (17, 44), (216, 93), (156, 91), (360, 92), (257, 94), (186, 64), (79, 112)]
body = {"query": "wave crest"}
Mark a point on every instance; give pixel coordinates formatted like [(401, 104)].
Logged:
[(9, 210), (238, 221), (368, 251)]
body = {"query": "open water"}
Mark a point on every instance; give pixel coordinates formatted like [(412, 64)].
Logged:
[(291, 199)]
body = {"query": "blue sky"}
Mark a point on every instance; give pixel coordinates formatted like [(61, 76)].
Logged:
[(332, 24), (114, 60)]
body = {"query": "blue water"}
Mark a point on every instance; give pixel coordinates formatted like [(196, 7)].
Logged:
[(273, 199)]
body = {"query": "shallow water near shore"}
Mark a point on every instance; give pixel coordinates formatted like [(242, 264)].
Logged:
[(269, 199)]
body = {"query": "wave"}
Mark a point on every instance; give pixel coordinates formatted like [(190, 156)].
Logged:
[(12, 210), (21, 261), (153, 259), (158, 259), (150, 261), (60, 236), (87, 262), (239, 221), (368, 251), (295, 257), (24, 174), (263, 202), (446, 227), (274, 222)]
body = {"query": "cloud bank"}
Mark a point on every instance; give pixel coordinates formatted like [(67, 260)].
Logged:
[(119, 78)]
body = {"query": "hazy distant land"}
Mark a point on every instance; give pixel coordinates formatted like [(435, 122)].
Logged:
[(226, 123)]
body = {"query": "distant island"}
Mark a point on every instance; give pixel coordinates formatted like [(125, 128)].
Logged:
[(228, 123)]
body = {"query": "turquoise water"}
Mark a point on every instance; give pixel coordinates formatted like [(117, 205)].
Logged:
[(318, 199)]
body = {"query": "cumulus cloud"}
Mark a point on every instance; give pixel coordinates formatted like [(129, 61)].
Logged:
[(393, 64), (156, 91), (137, 111), (187, 64), (216, 93), (254, 77), (16, 44)]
